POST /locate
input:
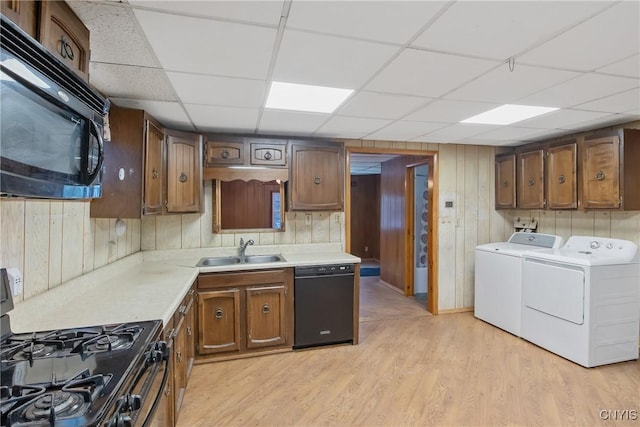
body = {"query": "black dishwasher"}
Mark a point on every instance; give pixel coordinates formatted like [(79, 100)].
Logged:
[(323, 305)]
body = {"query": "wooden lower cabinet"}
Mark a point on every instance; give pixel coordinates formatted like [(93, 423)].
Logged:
[(244, 312)]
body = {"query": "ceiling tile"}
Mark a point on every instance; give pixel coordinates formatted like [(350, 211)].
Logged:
[(263, 11), (629, 67), (619, 103), (127, 45), (126, 81), (504, 86), (394, 22), (416, 72), (170, 114), (612, 120), (608, 37), (350, 127), (210, 47), (209, 118), (210, 90), (290, 122), (560, 119), (456, 132), (380, 105), (449, 111), (578, 91), (328, 61), (404, 130), (512, 133), (501, 29)]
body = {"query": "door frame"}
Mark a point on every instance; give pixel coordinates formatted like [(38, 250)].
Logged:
[(431, 158)]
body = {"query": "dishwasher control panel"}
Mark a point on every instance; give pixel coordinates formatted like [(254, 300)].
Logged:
[(321, 270)]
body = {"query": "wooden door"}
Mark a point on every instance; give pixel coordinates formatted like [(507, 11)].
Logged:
[(153, 171), (601, 173), (219, 321), (530, 171), (505, 181), (561, 182), (266, 316), (179, 363), (24, 13), (184, 172), (317, 178), (190, 323)]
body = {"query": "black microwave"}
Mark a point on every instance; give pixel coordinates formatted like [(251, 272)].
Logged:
[(50, 124)]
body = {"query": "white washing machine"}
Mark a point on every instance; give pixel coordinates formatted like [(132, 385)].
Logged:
[(498, 273), (582, 301)]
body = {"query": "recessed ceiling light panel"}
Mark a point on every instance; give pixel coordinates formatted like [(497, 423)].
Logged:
[(298, 97), (508, 113)]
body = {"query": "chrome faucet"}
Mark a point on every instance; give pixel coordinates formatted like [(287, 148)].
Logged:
[(243, 246)]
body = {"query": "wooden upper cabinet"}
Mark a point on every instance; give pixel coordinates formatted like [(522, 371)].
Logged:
[(224, 153), (317, 177), (561, 180), (64, 34), (601, 172), (24, 13), (530, 171), (266, 316), (153, 173), (505, 181), (269, 154), (184, 172)]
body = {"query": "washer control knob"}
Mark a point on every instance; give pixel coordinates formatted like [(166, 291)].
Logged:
[(594, 244), (609, 245)]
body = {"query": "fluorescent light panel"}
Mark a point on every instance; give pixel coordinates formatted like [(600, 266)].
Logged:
[(508, 113), (298, 97)]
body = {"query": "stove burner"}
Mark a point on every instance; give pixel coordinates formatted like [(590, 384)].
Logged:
[(107, 342), (62, 403), (35, 350)]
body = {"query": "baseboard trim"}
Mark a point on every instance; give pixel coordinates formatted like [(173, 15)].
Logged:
[(393, 288), (456, 310)]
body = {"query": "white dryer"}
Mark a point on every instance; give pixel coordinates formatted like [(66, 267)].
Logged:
[(498, 273), (582, 301)]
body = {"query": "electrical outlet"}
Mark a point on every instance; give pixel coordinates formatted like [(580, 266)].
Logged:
[(366, 248), (15, 280), (307, 219), (337, 218)]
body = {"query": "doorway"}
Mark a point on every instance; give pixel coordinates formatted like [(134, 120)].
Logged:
[(398, 219)]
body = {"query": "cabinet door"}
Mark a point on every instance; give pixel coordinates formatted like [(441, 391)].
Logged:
[(505, 181), (601, 173), (317, 178), (531, 180), (269, 154), (179, 364), (562, 191), (218, 321), (266, 316), (190, 323), (153, 173), (64, 34), (184, 172), (224, 153)]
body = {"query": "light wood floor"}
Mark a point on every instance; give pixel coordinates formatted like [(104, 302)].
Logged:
[(412, 369)]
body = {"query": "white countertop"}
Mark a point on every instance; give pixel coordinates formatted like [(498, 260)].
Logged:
[(147, 286)]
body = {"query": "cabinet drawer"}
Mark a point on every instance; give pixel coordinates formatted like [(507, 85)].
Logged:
[(269, 154), (224, 153)]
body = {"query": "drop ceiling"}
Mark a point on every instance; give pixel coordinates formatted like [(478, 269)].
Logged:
[(417, 68)]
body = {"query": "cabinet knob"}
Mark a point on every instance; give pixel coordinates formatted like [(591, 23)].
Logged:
[(189, 330), (600, 176), (505, 183), (561, 179), (225, 154), (183, 177), (530, 182), (266, 309), (155, 174), (316, 180), (219, 313), (179, 356), (267, 155)]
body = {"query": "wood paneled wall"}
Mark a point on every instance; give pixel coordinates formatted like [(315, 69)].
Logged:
[(393, 219), (53, 241), (365, 216), (251, 207)]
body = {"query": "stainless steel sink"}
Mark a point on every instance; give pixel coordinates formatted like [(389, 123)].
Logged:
[(217, 261), (257, 259), (232, 260)]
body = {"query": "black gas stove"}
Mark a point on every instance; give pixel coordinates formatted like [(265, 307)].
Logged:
[(108, 376)]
